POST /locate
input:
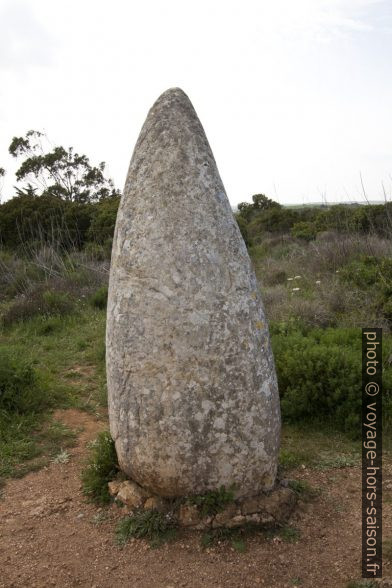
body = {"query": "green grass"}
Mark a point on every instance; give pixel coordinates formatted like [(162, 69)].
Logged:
[(100, 469), (60, 368), (318, 449), (152, 525), (57, 349), (28, 442), (304, 490)]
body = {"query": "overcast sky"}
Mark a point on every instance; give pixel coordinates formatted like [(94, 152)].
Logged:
[(295, 95)]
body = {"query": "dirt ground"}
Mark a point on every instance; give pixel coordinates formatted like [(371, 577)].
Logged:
[(51, 536)]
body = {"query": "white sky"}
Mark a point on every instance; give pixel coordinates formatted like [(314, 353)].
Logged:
[(295, 95)]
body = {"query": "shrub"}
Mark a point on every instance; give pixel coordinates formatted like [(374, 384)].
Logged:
[(103, 220), (368, 271), (275, 277), (101, 468), (27, 219), (38, 302), (304, 230), (20, 390), (100, 298), (319, 375), (242, 225)]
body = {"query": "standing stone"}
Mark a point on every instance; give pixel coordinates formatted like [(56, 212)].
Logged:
[(193, 398)]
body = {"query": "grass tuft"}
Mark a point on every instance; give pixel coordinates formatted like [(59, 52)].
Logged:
[(146, 524), (214, 501), (101, 468)]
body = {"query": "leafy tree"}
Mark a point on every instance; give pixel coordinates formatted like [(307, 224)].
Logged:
[(59, 172), (261, 202)]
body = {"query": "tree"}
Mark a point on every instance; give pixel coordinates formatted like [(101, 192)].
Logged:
[(58, 171), (261, 202)]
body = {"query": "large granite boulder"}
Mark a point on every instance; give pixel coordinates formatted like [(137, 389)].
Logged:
[(193, 398)]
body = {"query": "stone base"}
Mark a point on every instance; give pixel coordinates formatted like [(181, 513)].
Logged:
[(265, 510)]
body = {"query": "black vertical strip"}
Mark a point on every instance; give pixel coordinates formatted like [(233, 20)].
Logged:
[(371, 453)]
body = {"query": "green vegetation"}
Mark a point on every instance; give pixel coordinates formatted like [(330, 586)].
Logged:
[(27, 434), (146, 524), (264, 216), (324, 272), (319, 374), (45, 364), (101, 468), (213, 502), (303, 489), (100, 298)]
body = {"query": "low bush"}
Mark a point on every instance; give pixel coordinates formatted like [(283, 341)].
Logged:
[(21, 391), (304, 230), (368, 271), (100, 298), (319, 375), (38, 302), (101, 468)]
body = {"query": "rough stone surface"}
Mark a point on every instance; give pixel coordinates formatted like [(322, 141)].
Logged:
[(222, 518), (154, 503), (193, 399), (114, 487), (265, 510), (132, 494), (189, 515), (280, 503)]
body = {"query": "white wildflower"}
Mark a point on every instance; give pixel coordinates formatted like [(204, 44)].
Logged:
[(290, 279), (318, 281), (297, 277), (296, 289)]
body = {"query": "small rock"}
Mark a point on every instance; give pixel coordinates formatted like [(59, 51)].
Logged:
[(251, 505), (114, 487), (131, 494), (280, 503), (154, 503), (224, 516), (37, 511), (236, 521), (204, 524), (189, 515)]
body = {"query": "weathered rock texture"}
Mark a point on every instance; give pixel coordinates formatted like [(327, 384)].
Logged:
[(193, 399), (265, 510)]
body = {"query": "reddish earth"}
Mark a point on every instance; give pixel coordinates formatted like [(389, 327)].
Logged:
[(49, 536)]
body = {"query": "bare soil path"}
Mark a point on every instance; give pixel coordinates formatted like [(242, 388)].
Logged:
[(50, 536)]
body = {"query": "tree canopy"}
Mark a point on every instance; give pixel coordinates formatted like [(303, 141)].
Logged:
[(56, 171)]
